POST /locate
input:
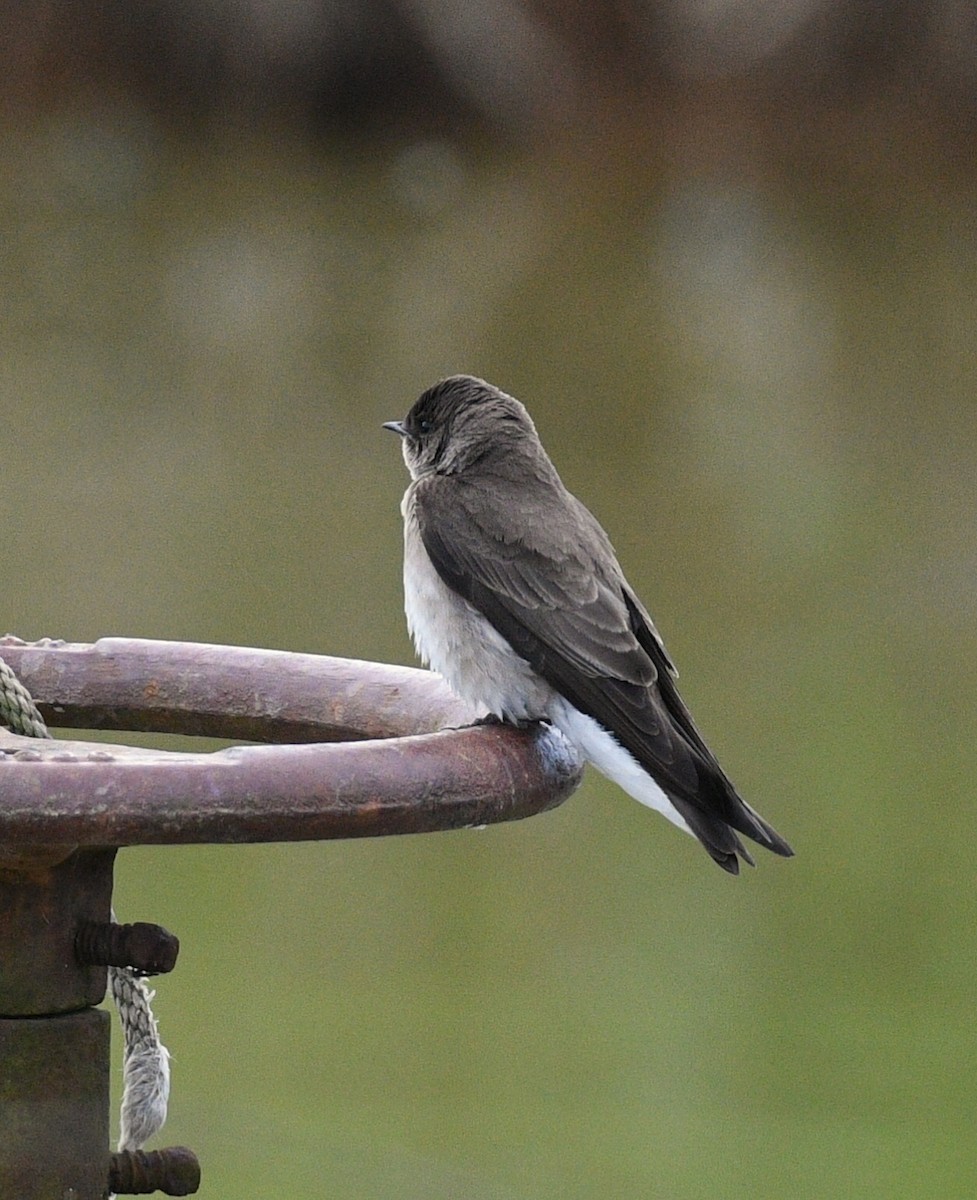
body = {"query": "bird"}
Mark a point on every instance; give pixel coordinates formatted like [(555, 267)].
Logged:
[(514, 595)]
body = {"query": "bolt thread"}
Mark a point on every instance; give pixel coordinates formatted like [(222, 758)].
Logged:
[(145, 948), (174, 1171)]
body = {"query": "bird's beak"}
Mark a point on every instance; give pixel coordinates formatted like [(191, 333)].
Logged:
[(396, 427)]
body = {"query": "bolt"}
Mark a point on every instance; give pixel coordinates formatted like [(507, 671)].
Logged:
[(147, 949), (174, 1172)]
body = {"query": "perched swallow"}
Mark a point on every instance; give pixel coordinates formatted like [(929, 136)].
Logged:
[(514, 594)]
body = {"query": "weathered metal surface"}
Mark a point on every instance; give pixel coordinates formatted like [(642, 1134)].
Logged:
[(173, 1171), (54, 1107), (228, 691), (119, 796), (401, 777), (94, 794), (26, 857), (147, 949), (40, 911)]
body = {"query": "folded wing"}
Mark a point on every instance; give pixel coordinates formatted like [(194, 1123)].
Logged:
[(569, 612)]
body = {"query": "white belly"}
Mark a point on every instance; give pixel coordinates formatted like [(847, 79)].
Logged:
[(455, 640), (479, 665)]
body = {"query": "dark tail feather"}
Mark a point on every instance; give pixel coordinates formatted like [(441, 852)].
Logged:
[(718, 835), (744, 819), (728, 862)]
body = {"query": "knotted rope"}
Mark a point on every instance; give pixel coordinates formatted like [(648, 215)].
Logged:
[(17, 708)]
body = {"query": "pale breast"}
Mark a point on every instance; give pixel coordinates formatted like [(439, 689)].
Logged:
[(453, 638)]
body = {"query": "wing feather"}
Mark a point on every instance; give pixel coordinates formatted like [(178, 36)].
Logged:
[(569, 612)]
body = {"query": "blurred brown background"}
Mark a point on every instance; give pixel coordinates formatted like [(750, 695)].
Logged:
[(727, 255)]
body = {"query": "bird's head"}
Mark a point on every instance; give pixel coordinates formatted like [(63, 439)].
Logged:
[(459, 422)]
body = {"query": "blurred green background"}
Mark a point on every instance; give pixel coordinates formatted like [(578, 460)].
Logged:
[(740, 300)]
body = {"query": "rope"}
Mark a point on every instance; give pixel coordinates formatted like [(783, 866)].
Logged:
[(146, 1065), (17, 708), (146, 1070)]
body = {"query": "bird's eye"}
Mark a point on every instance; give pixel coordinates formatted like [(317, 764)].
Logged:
[(423, 425)]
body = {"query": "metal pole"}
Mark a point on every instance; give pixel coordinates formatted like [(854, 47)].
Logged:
[(401, 765), (54, 1047)]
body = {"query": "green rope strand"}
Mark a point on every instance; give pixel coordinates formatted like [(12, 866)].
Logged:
[(17, 709)]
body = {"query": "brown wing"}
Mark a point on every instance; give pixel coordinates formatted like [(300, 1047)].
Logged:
[(560, 600)]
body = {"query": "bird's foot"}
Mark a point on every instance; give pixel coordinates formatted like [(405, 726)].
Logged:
[(492, 719)]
